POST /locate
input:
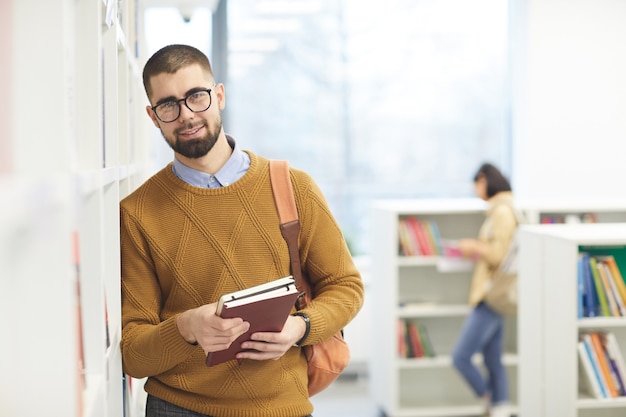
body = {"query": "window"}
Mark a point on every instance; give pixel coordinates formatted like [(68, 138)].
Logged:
[(393, 99), (386, 99)]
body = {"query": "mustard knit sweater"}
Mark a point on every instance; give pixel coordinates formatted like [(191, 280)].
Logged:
[(183, 246)]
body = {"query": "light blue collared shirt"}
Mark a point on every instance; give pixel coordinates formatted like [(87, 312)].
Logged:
[(235, 168)]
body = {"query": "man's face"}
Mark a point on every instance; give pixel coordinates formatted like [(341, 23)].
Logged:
[(192, 134)]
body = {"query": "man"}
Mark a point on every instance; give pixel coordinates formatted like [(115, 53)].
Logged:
[(206, 225)]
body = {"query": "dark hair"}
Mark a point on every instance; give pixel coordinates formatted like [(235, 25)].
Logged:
[(496, 181), (170, 59)]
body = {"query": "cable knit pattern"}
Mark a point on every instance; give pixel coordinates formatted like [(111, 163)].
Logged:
[(183, 246)]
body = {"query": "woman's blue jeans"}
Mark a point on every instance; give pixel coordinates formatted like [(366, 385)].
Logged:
[(483, 332)]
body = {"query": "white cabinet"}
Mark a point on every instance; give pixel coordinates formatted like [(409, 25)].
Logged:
[(416, 289), (548, 324)]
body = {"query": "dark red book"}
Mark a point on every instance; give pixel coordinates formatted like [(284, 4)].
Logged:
[(266, 307)]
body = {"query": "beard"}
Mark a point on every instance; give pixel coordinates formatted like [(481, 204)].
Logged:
[(195, 148)]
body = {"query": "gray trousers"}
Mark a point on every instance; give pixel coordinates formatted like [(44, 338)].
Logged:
[(156, 407)]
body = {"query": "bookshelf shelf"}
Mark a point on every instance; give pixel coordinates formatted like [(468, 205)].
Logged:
[(434, 310), (554, 383), (443, 361), (416, 289), (432, 290)]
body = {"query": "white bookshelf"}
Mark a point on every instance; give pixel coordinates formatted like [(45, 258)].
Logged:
[(548, 324), (415, 288), (76, 147)]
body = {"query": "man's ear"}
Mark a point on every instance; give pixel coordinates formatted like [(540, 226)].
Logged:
[(152, 116), (221, 95)]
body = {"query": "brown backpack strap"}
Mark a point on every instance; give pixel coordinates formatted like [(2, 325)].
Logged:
[(289, 222)]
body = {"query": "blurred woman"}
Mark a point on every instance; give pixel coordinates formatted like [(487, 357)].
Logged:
[(483, 329)]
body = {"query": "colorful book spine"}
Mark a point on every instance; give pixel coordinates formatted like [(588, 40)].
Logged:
[(604, 305), (590, 374), (604, 364), (590, 293), (581, 310), (417, 348), (417, 228), (425, 337), (615, 354), (591, 351), (617, 276)]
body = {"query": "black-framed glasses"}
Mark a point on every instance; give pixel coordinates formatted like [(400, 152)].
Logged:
[(197, 102)]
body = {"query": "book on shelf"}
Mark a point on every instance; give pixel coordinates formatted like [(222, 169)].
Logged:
[(413, 340), (604, 366), (403, 347), (266, 307), (603, 288), (580, 283), (617, 360), (590, 376), (419, 237), (408, 245), (610, 262), (591, 308), (427, 343), (419, 233), (593, 357), (416, 347), (608, 287), (604, 305), (620, 307)]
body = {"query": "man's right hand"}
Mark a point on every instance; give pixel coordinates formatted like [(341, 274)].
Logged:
[(210, 331)]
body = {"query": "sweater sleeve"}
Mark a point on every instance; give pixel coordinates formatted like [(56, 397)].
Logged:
[(337, 288)]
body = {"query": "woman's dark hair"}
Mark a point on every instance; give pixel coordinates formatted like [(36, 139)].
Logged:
[(496, 182)]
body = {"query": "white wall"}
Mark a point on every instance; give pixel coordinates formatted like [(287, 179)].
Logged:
[(569, 111)]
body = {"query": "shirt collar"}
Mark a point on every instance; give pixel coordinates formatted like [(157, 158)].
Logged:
[(235, 167)]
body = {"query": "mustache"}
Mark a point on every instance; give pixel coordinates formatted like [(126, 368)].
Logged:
[(189, 126)]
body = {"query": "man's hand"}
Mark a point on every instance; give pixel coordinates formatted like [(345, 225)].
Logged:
[(210, 331), (269, 345)]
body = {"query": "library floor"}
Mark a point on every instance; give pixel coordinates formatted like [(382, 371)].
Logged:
[(346, 397)]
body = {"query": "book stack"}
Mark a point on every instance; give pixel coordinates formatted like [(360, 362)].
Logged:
[(413, 340), (603, 373), (601, 287), (419, 237)]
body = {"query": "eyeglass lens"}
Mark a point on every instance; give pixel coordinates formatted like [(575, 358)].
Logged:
[(196, 102)]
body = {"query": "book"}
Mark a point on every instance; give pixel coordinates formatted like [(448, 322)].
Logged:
[(403, 349), (590, 293), (615, 357), (417, 349), (434, 227), (417, 228), (426, 342), (591, 351), (408, 245), (619, 302), (609, 260), (604, 305), (266, 307), (591, 377), (604, 364), (581, 310), (608, 290)]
